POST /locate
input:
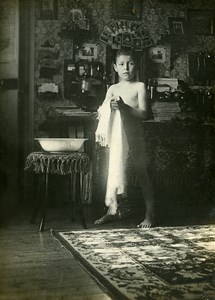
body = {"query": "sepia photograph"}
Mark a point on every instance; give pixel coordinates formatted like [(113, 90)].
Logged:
[(48, 9), (158, 54), (88, 51), (137, 44), (176, 26), (116, 42), (77, 15), (107, 150), (126, 40)]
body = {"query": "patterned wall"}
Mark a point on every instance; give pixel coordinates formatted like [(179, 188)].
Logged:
[(155, 15)]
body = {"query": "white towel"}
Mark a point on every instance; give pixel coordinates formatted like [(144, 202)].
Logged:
[(103, 131), (110, 132)]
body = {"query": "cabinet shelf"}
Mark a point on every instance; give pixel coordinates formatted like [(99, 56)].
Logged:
[(77, 34), (93, 81)]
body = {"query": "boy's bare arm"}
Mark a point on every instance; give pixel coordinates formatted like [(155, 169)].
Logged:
[(109, 93)]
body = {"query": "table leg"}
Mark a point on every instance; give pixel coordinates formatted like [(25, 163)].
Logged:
[(80, 200), (37, 181), (72, 180), (45, 200)]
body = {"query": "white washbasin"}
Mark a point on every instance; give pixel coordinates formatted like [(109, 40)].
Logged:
[(61, 144)]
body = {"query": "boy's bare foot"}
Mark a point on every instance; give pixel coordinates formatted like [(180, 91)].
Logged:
[(105, 219), (145, 224)]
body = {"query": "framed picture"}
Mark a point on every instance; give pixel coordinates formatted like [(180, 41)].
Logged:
[(141, 32), (126, 40), (158, 54), (176, 26), (105, 37), (48, 9), (113, 28), (137, 44), (77, 15), (146, 42), (116, 42), (88, 51), (134, 27), (119, 26), (201, 22)]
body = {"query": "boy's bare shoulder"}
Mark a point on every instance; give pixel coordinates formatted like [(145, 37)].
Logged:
[(113, 87), (110, 90), (140, 84)]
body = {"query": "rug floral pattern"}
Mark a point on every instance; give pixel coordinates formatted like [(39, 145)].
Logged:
[(159, 263)]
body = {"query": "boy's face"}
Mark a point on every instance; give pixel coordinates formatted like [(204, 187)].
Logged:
[(125, 67)]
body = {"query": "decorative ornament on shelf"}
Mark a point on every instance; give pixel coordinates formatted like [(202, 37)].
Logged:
[(77, 25), (79, 19), (124, 33)]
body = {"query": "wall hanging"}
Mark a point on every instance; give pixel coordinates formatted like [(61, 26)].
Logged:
[(49, 9), (88, 51), (176, 26), (126, 33), (78, 25), (158, 54)]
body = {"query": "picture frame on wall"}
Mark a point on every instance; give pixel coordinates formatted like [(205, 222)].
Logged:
[(158, 54), (77, 15), (126, 40), (201, 22), (105, 38), (137, 44), (48, 9), (88, 51), (116, 42), (176, 26), (146, 42)]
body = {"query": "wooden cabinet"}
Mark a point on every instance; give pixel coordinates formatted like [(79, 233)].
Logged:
[(180, 165)]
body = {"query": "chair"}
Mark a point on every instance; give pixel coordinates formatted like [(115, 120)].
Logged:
[(75, 166)]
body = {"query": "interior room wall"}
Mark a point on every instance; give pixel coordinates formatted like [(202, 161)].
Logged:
[(9, 36), (155, 15)]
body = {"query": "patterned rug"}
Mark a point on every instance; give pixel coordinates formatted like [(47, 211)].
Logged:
[(164, 263)]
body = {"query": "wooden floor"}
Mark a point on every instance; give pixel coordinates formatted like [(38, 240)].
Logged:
[(33, 265)]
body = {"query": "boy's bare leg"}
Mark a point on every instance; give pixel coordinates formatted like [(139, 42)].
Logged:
[(105, 219), (149, 219), (148, 196), (109, 216)]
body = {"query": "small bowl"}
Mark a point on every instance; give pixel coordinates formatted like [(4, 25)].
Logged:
[(61, 144)]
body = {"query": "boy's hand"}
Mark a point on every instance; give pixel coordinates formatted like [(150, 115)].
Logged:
[(117, 103)]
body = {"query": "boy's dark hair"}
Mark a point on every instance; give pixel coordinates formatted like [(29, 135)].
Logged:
[(125, 51)]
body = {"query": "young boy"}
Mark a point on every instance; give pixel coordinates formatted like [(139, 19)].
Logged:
[(120, 128)]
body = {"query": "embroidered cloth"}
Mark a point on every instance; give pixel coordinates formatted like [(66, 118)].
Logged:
[(61, 163)]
